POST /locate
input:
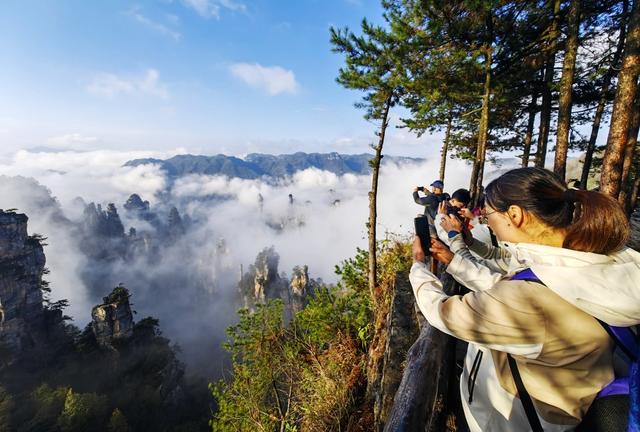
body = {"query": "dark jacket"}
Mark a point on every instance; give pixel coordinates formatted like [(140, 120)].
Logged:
[(430, 202)]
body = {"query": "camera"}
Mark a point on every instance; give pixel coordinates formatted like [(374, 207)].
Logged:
[(421, 188)]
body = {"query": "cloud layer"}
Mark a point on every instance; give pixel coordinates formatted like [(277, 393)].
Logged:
[(212, 8), (191, 286), (272, 79), (110, 85)]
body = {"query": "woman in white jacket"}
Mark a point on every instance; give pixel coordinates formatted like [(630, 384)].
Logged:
[(574, 242)]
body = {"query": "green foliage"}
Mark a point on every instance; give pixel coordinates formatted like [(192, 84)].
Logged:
[(256, 347), (118, 422), (82, 412), (37, 239), (42, 409), (7, 405), (330, 313), (353, 271), (307, 374), (119, 295)]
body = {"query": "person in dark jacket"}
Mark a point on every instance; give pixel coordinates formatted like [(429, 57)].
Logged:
[(432, 199)]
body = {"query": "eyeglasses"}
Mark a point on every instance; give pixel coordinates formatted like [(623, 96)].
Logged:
[(484, 216)]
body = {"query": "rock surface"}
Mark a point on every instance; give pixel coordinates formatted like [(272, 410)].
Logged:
[(22, 264), (113, 319)]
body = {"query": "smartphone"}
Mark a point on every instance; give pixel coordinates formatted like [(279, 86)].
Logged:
[(421, 224)]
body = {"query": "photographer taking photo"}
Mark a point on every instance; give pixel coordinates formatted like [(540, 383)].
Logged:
[(566, 275), (432, 199)]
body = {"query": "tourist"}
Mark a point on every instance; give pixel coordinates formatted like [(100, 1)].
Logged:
[(573, 241)]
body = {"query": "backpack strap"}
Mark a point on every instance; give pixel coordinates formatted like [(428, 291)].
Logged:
[(624, 338), (529, 409), (527, 403)]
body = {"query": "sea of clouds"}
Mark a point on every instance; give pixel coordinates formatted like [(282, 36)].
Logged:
[(323, 226)]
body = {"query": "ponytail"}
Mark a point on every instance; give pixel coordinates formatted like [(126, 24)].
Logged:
[(599, 224), (594, 222)]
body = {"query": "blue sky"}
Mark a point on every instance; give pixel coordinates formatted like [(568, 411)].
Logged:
[(209, 76)]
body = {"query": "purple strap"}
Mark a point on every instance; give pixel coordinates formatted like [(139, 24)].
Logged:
[(625, 338), (619, 386), (526, 275)]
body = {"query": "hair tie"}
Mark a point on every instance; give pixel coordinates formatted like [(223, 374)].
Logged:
[(570, 196)]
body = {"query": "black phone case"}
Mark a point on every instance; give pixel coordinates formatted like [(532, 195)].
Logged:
[(421, 225)]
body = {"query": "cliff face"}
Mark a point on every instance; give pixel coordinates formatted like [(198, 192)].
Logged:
[(21, 268), (113, 319), (262, 283)]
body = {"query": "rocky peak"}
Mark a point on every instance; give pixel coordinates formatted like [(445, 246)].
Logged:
[(114, 224), (262, 283), (21, 268), (266, 274), (175, 224), (113, 319), (13, 233), (300, 288), (103, 223), (136, 204)]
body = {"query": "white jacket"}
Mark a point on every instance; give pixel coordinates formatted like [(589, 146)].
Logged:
[(503, 312)]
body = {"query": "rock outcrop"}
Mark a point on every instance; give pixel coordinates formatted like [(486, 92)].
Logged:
[(262, 283), (300, 287), (136, 204), (113, 319), (22, 264), (175, 226), (104, 223)]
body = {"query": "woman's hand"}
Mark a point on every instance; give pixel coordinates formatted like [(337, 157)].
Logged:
[(465, 212), (442, 208), (418, 253), (451, 223), (439, 251)]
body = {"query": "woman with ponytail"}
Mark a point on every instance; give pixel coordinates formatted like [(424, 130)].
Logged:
[(573, 242)]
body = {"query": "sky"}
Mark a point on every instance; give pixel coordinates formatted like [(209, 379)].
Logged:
[(198, 76)]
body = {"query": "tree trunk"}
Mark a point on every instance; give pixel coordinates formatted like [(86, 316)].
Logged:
[(545, 111), (610, 179), (629, 153), (635, 191), (588, 157), (373, 195), (566, 89), (445, 148), (595, 128), (483, 132), (528, 138)]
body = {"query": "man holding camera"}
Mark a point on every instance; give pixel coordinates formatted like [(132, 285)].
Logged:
[(431, 201)]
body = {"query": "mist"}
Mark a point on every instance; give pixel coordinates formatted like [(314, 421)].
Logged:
[(313, 218)]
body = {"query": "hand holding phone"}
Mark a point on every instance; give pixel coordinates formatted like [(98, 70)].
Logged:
[(421, 224)]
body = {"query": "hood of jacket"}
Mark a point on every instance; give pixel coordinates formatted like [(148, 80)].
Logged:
[(604, 286)]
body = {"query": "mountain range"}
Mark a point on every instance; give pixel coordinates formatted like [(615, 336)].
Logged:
[(258, 165)]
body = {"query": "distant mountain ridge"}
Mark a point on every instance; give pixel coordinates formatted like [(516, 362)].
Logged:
[(258, 165)]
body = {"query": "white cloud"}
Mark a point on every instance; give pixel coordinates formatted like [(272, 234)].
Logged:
[(211, 8), (72, 141), (272, 79), (156, 26), (111, 85)]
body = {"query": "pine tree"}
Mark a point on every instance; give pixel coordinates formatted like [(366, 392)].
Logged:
[(371, 66), (566, 88), (612, 164)]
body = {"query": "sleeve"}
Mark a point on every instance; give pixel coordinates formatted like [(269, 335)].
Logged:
[(504, 318), (475, 273), (472, 273), (420, 200), (496, 257)]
